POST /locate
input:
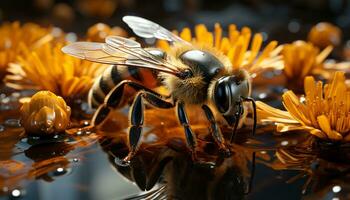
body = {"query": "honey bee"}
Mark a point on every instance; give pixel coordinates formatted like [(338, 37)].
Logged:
[(193, 75)]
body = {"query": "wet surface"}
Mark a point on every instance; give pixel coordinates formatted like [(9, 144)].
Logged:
[(86, 164)]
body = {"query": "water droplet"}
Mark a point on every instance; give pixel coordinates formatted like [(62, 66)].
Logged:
[(336, 189), (60, 171), (16, 193), (284, 143), (2, 128), (13, 123), (79, 132), (5, 100), (16, 94), (262, 95), (25, 140), (86, 123), (83, 132)]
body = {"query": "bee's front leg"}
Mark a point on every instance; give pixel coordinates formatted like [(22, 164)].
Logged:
[(190, 136), (137, 118), (249, 99), (237, 117), (216, 132)]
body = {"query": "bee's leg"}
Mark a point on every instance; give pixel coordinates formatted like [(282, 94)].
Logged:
[(216, 132), (113, 100), (100, 115), (254, 112), (190, 136), (237, 116), (136, 119)]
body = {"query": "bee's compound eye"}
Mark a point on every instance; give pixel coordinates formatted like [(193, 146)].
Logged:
[(221, 97)]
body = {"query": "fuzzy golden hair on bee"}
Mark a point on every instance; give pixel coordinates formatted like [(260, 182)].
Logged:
[(190, 90)]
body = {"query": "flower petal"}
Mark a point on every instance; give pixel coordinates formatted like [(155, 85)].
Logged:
[(325, 126)]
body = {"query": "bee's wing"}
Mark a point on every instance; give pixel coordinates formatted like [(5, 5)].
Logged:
[(119, 51), (148, 29)]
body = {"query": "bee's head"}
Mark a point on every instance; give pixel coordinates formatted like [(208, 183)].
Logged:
[(228, 94)]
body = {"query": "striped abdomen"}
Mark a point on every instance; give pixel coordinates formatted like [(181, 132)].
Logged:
[(113, 75)]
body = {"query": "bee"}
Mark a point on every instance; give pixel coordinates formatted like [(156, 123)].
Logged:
[(193, 76)]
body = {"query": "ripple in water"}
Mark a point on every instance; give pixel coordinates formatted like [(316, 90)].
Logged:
[(60, 171)]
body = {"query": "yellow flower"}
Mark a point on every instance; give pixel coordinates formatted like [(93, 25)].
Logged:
[(45, 114), (324, 34), (98, 32), (324, 111), (48, 68), (240, 47), (13, 36), (302, 59)]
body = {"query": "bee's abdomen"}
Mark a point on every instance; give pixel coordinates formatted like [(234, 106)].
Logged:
[(112, 76)]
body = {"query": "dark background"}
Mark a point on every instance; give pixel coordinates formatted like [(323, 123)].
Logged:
[(284, 21)]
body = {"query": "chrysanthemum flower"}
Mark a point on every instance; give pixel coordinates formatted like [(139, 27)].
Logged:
[(324, 111), (13, 36), (243, 50), (302, 59), (48, 68)]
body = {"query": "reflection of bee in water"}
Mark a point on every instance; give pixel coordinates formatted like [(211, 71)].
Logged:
[(193, 75), (169, 173)]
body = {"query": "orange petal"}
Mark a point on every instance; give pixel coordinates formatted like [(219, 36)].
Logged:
[(323, 122)]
